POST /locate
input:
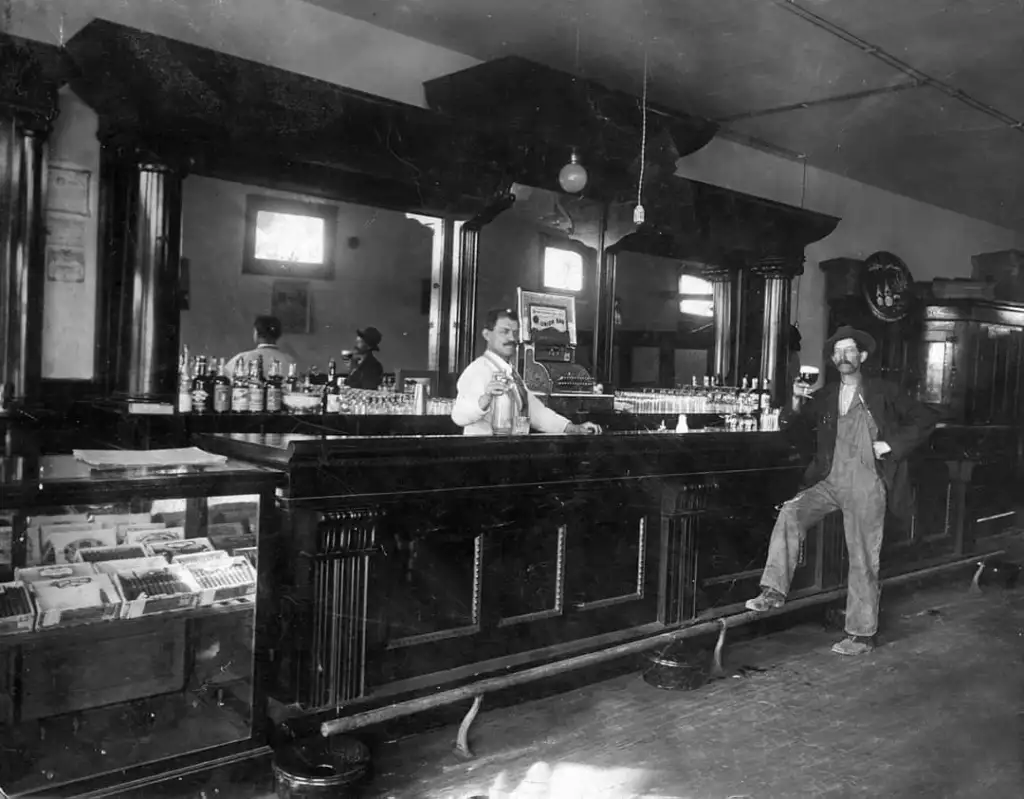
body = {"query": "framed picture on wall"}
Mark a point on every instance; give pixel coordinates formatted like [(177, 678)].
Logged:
[(290, 301)]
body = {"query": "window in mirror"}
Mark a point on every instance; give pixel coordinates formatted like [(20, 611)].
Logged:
[(563, 269), (289, 238), (695, 296)]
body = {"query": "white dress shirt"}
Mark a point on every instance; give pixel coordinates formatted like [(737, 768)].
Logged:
[(472, 385), (268, 353)]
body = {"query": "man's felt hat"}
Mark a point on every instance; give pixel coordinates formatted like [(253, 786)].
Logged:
[(865, 342), (371, 336)]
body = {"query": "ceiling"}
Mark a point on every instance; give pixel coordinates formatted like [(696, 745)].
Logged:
[(924, 98)]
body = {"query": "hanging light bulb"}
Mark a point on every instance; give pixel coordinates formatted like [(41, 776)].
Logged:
[(573, 177)]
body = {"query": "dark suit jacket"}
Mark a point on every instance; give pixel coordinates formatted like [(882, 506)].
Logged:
[(903, 423), (369, 374)]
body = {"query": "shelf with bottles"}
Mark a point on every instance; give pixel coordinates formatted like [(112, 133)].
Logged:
[(708, 399), (127, 635), (204, 388)]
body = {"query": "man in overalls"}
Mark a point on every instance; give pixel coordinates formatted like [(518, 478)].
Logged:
[(865, 429)]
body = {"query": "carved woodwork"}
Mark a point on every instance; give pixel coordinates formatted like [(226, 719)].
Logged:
[(29, 80)]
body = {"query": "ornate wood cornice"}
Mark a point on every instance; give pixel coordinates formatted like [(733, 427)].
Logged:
[(30, 77), (779, 266)]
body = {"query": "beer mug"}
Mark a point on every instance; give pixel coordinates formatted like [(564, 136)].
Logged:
[(808, 375)]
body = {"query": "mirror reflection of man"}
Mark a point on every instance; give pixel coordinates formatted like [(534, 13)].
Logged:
[(266, 333), (865, 429), (493, 375), (366, 371)]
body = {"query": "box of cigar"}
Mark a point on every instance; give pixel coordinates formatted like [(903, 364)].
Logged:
[(150, 536), (119, 552), (34, 532), (153, 586), (249, 553), (223, 578), (17, 611), (70, 594), (172, 550), (214, 556), (61, 542), (230, 536)]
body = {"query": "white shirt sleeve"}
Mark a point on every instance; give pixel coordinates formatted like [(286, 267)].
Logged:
[(471, 387), (544, 419)]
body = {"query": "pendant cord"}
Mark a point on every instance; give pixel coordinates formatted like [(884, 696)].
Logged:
[(643, 144)]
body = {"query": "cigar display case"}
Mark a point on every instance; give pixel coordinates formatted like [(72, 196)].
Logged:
[(128, 618)]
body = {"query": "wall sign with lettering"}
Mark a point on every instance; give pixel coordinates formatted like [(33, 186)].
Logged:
[(887, 286)]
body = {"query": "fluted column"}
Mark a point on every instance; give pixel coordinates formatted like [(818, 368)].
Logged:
[(22, 187), (723, 293), (778, 273), (142, 212)]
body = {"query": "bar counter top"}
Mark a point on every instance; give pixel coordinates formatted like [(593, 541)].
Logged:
[(329, 465)]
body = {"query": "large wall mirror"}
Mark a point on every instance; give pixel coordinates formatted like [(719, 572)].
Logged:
[(664, 337), (546, 241), (325, 269)]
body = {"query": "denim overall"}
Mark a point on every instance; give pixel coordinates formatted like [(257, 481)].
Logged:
[(855, 487)]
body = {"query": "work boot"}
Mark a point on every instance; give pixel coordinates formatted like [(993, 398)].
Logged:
[(770, 599), (854, 645)]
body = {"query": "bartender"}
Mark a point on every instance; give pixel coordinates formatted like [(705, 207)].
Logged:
[(492, 375), (366, 371)]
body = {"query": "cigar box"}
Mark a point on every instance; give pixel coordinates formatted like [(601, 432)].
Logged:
[(34, 531), (62, 546), (202, 557), (230, 578), (120, 552), (172, 550), (249, 553), (6, 541), (122, 529), (17, 611), (70, 594), (148, 590), (230, 536), (151, 536)]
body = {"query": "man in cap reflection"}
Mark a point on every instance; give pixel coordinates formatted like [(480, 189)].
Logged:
[(864, 429), (366, 371)]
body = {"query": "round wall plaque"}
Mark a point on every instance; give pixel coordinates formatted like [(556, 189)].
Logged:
[(887, 286)]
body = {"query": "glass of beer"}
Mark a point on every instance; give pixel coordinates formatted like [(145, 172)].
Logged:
[(808, 375)]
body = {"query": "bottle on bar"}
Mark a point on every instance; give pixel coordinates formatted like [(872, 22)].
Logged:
[(291, 383), (240, 388), (333, 399), (184, 384), (326, 400), (257, 386), (221, 389), (275, 388), (201, 400)]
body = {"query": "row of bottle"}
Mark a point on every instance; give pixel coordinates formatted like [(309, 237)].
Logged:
[(205, 387), (749, 398)]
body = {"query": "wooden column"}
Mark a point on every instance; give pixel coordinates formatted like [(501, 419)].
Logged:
[(141, 210), (778, 272), (724, 292), (30, 75), (22, 243)]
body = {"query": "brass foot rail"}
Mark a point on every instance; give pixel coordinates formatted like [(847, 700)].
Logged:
[(476, 691)]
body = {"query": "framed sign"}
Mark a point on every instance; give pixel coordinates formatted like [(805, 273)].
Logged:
[(547, 317), (887, 286), (290, 302)]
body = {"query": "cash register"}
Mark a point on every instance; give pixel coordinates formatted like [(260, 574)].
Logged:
[(547, 324)]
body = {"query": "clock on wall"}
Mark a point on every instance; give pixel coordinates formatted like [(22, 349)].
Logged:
[(887, 286)]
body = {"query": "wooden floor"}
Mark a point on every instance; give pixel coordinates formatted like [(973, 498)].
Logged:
[(936, 712)]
